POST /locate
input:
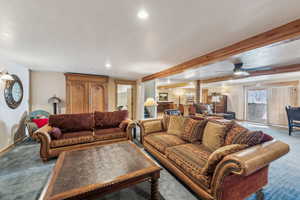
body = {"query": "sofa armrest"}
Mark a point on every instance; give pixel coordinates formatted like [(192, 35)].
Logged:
[(248, 161), (130, 125), (45, 140), (143, 124), (258, 156)]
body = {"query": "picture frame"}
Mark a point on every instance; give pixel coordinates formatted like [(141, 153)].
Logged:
[(163, 96)]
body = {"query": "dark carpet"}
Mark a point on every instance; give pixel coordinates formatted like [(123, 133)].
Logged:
[(23, 175)]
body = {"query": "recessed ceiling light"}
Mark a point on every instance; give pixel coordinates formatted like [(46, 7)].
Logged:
[(143, 14), (108, 65)]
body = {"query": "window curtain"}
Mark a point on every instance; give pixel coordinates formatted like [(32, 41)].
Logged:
[(278, 98)]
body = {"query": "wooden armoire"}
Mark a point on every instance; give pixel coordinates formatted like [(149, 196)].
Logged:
[(86, 93)]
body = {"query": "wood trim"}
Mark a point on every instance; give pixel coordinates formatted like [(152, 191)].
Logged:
[(285, 32), (133, 91), (277, 70), (9, 147), (86, 77), (281, 84), (125, 82), (170, 86)]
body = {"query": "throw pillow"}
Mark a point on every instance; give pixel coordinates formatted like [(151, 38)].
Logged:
[(250, 138), (176, 125), (40, 122), (218, 155), (152, 126), (233, 132), (266, 138), (55, 133), (123, 125), (192, 130), (214, 135), (166, 120)]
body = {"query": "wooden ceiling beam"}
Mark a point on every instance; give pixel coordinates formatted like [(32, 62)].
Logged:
[(174, 85), (277, 70), (285, 32)]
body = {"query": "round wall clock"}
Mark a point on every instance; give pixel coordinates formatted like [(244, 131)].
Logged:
[(13, 92)]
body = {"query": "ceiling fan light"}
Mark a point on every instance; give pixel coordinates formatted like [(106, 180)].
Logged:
[(241, 73)]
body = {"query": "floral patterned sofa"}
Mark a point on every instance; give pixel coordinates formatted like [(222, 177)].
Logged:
[(216, 159), (73, 131)]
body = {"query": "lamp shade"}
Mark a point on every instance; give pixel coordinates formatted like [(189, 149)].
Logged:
[(150, 102), (54, 99)]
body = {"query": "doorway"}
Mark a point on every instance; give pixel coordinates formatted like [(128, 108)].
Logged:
[(257, 105), (125, 96)]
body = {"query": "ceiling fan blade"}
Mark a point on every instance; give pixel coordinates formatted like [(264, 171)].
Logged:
[(258, 69)]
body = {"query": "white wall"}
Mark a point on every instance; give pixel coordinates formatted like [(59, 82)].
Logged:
[(9, 118), (43, 86)]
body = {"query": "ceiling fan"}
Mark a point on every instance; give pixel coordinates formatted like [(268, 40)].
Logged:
[(238, 69)]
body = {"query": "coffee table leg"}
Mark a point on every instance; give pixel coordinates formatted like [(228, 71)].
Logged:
[(154, 186)]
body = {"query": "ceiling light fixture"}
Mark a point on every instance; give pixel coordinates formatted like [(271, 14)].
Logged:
[(5, 76), (108, 65), (143, 14)]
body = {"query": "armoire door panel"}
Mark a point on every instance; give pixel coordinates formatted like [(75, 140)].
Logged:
[(77, 97), (96, 97), (86, 93)]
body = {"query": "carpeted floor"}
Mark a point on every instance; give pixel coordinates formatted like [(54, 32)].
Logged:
[(23, 175)]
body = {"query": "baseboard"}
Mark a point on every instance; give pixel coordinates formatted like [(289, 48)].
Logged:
[(6, 149)]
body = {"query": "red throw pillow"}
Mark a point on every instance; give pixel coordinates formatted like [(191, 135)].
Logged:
[(40, 122), (55, 133)]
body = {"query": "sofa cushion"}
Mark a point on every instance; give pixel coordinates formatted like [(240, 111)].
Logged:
[(109, 134), (214, 135), (152, 126), (110, 119), (107, 131), (233, 132), (218, 155), (193, 130), (250, 138), (160, 141), (71, 141), (176, 124), (190, 158), (76, 134), (72, 122)]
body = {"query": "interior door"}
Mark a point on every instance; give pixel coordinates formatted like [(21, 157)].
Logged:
[(78, 97), (96, 97)]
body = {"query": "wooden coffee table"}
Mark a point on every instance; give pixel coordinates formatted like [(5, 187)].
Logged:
[(94, 172)]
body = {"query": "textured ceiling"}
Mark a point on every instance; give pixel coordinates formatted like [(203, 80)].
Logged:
[(281, 54), (81, 36)]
